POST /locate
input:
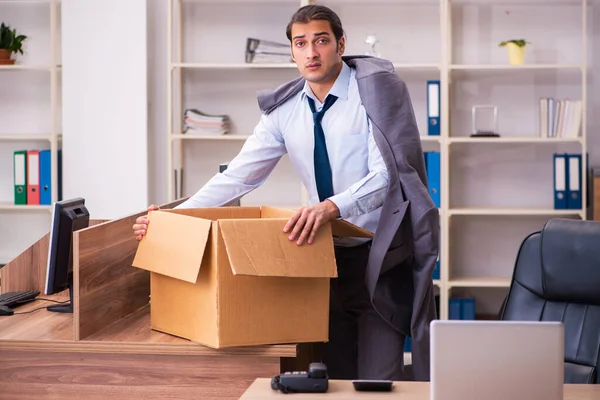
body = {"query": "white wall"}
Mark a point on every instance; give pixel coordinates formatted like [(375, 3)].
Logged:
[(105, 105)]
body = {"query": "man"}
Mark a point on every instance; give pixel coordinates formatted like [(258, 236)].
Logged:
[(348, 126)]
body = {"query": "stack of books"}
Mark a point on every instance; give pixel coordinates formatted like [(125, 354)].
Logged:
[(560, 118), (264, 51), (199, 123)]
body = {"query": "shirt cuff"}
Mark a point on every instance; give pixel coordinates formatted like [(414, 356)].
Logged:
[(344, 203)]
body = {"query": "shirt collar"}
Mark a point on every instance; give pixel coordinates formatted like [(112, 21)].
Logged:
[(339, 88)]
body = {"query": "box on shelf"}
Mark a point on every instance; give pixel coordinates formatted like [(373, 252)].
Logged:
[(229, 276)]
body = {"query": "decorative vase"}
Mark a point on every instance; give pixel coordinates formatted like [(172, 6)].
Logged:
[(516, 54), (5, 57)]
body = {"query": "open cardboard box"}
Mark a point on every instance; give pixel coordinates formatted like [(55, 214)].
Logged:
[(229, 276)]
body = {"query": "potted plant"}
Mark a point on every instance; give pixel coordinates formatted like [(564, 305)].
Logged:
[(10, 42), (516, 50)]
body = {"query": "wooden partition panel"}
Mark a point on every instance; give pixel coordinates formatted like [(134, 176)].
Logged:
[(27, 271), (107, 287)]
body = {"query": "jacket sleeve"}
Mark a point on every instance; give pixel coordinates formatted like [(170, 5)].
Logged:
[(425, 240)]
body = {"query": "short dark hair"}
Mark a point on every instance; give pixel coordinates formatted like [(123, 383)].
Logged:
[(316, 12)]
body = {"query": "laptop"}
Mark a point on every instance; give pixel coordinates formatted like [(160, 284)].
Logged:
[(495, 360)]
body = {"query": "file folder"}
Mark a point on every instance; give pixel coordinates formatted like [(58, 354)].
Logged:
[(574, 201), (433, 176), (45, 177), (436, 271), (20, 176), (454, 309), (433, 108), (59, 177), (560, 181), (408, 344), (468, 308), (33, 177)]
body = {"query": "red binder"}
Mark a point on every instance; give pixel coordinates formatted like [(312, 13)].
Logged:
[(33, 177)]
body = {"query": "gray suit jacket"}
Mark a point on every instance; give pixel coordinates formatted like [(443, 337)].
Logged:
[(405, 247)]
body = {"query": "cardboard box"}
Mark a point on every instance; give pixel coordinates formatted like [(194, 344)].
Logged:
[(230, 276)]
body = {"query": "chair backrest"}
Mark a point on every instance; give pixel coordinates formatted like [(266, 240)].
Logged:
[(557, 278)]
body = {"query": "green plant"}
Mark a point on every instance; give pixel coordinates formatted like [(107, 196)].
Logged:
[(518, 42), (9, 40)]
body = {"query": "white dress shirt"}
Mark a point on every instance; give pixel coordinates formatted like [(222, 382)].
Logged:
[(359, 174)]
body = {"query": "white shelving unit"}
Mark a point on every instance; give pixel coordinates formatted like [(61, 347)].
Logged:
[(494, 191), (30, 109)]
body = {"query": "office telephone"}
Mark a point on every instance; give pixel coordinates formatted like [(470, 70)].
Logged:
[(315, 380)]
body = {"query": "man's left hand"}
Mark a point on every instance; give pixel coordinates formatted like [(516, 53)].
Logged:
[(307, 220)]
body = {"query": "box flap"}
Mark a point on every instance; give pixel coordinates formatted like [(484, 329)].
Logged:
[(341, 228), (259, 247), (173, 245)]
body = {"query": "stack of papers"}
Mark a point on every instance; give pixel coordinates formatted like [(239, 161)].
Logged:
[(199, 123), (264, 51)]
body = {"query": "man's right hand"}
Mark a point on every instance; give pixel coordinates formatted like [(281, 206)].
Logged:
[(141, 224)]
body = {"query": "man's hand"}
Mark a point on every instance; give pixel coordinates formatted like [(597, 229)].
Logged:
[(307, 221), (141, 224)]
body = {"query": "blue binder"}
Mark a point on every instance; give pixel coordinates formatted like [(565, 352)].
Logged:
[(561, 175), (45, 177), (468, 308), (574, 200), (59, 179), (454, 309), (436, 270), (408, 344), (433, 107), (433, 176)]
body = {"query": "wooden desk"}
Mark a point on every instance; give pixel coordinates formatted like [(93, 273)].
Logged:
[(261, 390), (126, 360), (105, 349)]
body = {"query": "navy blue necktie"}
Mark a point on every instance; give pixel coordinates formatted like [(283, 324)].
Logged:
[(322, 166)]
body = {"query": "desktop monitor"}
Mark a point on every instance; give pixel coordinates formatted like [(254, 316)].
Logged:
[(68, 216)]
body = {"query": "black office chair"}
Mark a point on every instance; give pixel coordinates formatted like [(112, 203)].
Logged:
[(557, 278)]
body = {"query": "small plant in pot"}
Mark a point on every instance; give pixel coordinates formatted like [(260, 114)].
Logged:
[(10, 42), (516, 50)]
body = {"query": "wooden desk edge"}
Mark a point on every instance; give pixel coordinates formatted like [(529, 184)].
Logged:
[(182, 349)]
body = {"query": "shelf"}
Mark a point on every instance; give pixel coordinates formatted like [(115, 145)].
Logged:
[(237, 136), (26, 1), (397, 66), (508, 67), (505, 3), (233, 65), (26, 137), (210, 137), (431, 139), (13, 207), (493, 211), (513, 139), (25, 67), (417, 67), (481, 282)]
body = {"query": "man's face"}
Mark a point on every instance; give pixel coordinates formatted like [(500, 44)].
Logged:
[(315, 51)]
